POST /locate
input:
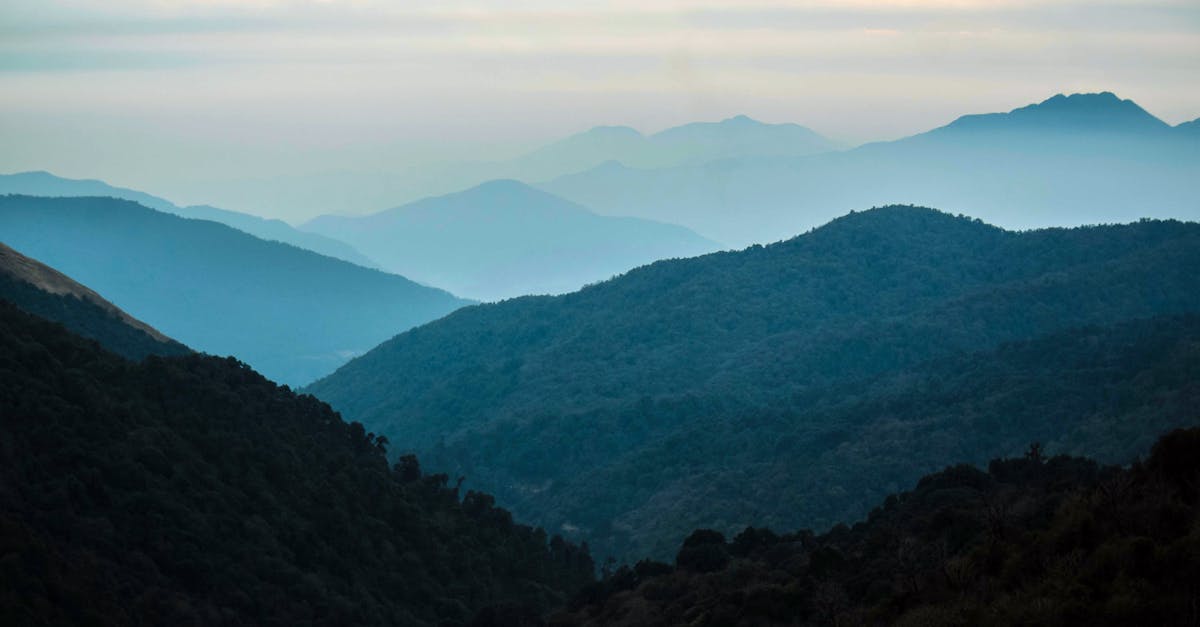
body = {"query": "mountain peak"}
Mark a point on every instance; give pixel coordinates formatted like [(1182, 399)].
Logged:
[(742, 119), (1095, 112)]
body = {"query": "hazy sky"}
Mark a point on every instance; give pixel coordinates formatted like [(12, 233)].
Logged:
[(157, 94)]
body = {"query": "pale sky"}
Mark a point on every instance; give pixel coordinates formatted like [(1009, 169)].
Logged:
[(155, 94)]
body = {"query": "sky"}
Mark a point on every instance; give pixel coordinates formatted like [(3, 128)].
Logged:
[(168, 95)]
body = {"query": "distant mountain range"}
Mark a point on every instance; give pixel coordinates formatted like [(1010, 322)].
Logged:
[(1069, 160), (46, 184), (798, 383), (354, 192), (47, 293), (504, 239), (291, 312), (699, 142)]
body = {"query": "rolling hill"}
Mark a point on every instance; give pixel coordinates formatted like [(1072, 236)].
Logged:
[(46, 184), (784, 385), (1069, 160), (292, 313), (504, 239)]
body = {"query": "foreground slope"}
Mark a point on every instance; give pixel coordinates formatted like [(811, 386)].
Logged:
[(47, 184), (504, 239), (45, 292), (1032, 541), (684, 393), (292, 313), (1068, 160), (192, 491)]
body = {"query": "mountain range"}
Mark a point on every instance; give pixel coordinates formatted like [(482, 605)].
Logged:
[(1069, 160), (290, 312), (46, 184), (503, 239), (354, 192), (795, 384)]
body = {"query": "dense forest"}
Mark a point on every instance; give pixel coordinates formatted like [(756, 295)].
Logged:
[(292, 314), (1034, 540), (192, 491), (44, 292), (796, 384)]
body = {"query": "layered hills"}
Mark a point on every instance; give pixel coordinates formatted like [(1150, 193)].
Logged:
[(795, 384), (46, 184), (1069, 160), (503, 239), (292, 313)]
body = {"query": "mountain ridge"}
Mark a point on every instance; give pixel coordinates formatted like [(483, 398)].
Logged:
[(503, 238), (649, 374)]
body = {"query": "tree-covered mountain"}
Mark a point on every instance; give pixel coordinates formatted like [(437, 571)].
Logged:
[(789, 385), (43, 291), (292, 313), (192, 491), (1069, 160), (46, 184), (1032, 541), (504, 239)]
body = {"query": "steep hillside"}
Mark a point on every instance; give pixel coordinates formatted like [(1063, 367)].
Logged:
[(46, 184), (1032, 541), (45, 292), (504, 239), (683, 394), (1069, 160), (192, 491), (292, 313)]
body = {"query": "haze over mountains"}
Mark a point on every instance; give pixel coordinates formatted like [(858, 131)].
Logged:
[(773, 384), (290, 312), (503, 239), (355, 192), (46, 184), (1069, 160)]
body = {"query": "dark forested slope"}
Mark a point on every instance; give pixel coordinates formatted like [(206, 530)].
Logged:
[(45, 292), (192, 491), (1032, 541), (689, 393), (291, 313)]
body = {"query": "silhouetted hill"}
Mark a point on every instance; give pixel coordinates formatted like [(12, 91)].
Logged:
[(292, 313), (1070, 160), (46, 184), (690, 393), (504, 239), (45, 292), (1103, 112), (1032, 541), (193, 491)]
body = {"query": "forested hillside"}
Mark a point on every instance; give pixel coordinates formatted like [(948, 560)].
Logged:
[(45, 292), (291, 313), (1032, 541), (795, 384), (192, 491)]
